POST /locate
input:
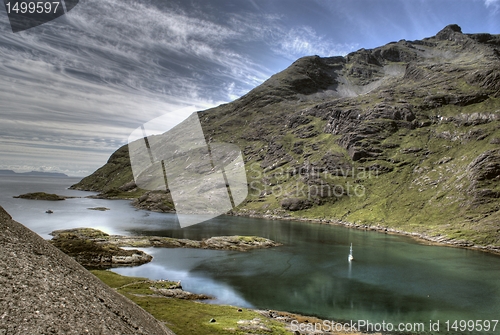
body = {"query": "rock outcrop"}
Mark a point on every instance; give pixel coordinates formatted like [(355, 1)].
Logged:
[(85, 247), (92, 244), (44, 291)]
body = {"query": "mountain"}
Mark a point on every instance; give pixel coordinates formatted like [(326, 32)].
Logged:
[(44, 291), (404, 137), (33, 173)]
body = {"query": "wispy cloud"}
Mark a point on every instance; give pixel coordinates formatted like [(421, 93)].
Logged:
[(492, 4), (304, 40), (291, 43), (489, 3), (75, 87)]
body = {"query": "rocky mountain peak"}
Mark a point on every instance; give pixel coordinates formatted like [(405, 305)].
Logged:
[(414, 113), (450, 29), (449, 32)]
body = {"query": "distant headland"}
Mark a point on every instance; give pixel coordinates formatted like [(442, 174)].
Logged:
[(33, 173)]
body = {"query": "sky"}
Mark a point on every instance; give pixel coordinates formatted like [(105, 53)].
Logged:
[(72, 90)]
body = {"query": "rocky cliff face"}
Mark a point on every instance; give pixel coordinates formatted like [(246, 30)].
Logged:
[(404, 136), (44, 291)]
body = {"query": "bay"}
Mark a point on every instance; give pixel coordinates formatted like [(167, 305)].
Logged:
[(392, 279)]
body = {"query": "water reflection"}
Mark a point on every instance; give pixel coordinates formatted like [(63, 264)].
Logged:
[(179, 264), (392, 278)]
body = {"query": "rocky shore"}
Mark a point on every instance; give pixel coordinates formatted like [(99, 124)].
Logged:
[(83, 246), (164, 288), (421, 237), (46, 291), (310, 325), (94, 248), (282, 215), (159, 296), (238, 243), (174, 290)]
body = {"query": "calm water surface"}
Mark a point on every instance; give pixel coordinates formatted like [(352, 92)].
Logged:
[(392, 279)]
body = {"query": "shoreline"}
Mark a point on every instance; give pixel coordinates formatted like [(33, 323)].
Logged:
[(286, 317), (165, 288), (422, 238), (94, 248)]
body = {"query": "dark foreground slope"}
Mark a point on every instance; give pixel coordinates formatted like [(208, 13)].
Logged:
[(43, 291), (404, 136)]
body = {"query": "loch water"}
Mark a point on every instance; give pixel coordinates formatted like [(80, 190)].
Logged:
[(392, 278)]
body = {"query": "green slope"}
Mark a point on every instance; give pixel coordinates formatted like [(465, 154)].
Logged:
[(405, 136)]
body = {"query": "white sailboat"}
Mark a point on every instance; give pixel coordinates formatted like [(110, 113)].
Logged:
[(350, 257)]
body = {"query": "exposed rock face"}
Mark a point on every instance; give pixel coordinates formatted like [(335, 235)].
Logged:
[(486, 166), (155, 201), (484, 174), (449, 32), (44, 291)]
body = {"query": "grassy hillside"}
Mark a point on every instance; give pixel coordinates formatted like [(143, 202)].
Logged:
[(187, 317), (405, 136)]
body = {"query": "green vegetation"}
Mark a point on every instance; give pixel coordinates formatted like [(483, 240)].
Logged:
[(89, 244), (186, 317), (41, 196), (115, 280), (398, 136)]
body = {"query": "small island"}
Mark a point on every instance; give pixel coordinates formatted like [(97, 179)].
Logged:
[(94, 248), (41, 196), (102, 209)]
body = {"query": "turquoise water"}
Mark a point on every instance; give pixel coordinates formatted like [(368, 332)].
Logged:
[(392, 279)]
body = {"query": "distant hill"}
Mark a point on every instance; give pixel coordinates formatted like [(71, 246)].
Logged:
[(403, 137), (33, 173)]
